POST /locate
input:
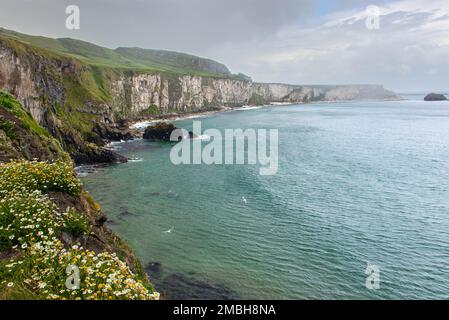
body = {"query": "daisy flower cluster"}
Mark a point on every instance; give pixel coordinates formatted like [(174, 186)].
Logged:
[(30, 225), (44, 176), (102, 276), (26, 217)]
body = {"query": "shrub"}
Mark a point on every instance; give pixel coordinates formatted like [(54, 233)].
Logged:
[(75, 224)]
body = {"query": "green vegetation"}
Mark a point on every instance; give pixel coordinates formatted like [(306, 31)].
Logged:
[(8, 102), (151, 111), (136, 59), (8, 128), (76, 224), (257, 100), (22, 137), (42, 176), (30, 229)]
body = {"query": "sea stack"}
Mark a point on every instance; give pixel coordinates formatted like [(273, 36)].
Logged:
[(435, 97)]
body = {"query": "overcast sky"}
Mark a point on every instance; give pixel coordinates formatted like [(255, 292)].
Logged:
[(293, 41)]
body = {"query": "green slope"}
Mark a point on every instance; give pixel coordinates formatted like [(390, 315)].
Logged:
[(124, 58)]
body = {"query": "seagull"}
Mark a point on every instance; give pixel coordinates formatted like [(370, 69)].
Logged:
[(170, 230), (244, 200)]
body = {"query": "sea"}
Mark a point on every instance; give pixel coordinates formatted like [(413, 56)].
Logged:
[(358, 208)]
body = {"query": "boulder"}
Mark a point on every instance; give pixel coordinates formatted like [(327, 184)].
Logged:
[(159, 132), (435, 97)]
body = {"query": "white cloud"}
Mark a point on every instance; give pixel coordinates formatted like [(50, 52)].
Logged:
[(406, 53), (270, 40)]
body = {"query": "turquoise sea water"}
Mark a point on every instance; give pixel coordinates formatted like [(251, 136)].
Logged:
[(357, 182)]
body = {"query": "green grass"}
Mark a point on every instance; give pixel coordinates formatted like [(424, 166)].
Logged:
[(132, 59), (8, 102), (76, 224), (151, 111), (8, 128), (257, 100)]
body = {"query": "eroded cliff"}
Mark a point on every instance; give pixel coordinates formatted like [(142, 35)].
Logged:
[(82, 103)]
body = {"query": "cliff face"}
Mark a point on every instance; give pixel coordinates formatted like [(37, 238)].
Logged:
[(80, 103), (137, 93)]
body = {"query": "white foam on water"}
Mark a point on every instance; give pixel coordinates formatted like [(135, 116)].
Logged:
[(244, 108), (144, 124), (202, 137)]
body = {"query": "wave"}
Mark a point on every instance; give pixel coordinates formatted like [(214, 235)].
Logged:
[(144, 124), (202, 137), (244, 108)]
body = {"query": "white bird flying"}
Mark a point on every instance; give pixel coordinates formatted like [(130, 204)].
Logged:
[(170, 230)]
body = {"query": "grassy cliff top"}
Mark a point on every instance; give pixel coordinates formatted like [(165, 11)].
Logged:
[(124, 58)]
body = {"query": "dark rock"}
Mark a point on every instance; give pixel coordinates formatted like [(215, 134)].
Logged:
[(112, 134), (97, 155), (435, 97), (67, 239), (180, 287), (159, 132), (153, 269), (111, 222), (100, 221), (125, 213)]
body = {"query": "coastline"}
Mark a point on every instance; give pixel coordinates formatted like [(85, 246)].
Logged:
[(136, 127), (141, 124), (133, 129)]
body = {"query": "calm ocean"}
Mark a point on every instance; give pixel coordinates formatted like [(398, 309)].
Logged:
[(358, 182)]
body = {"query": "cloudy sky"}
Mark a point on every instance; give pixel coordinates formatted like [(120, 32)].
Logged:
[(294, 41)]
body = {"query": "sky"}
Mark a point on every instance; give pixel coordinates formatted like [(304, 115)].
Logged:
[(288, 41)]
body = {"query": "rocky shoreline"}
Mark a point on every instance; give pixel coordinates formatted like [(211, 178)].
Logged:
[(128, 129)]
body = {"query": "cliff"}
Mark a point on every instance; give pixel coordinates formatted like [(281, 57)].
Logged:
[(81, 93), (48, 222)]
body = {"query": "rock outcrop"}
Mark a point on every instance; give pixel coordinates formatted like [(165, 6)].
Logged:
[(159, 132), (435, 97)]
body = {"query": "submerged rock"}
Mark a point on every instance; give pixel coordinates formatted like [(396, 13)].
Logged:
[(179, 286), (435, 97), (125, 214), (159, 132), (153, 269)]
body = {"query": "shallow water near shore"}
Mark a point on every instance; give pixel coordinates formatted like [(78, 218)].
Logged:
[(358, 182)]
